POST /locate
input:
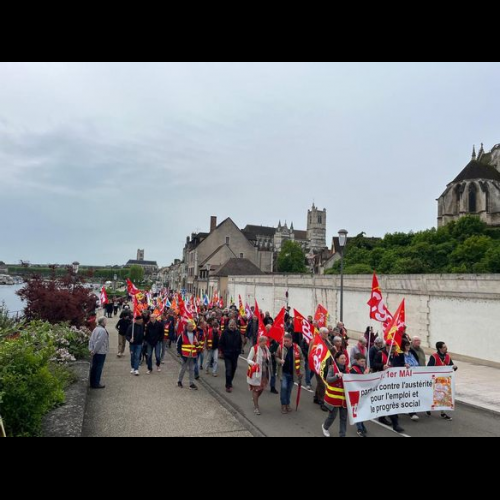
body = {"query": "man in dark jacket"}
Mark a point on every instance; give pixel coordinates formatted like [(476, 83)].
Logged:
[(231, 345), (253, 330), (383, 361), (135, 335), (154, 339), (122, 327)]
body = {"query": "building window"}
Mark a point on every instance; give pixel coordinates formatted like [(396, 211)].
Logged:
[(473, 199), (227, 240), (320, 219), (242, 256)]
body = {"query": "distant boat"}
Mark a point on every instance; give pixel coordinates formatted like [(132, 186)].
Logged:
[(6, 280)]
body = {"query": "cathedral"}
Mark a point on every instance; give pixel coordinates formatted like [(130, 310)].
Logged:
[(476, 191), (311, 240)]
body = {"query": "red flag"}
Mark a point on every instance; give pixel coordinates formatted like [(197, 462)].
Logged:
[(277, 332), (183, 311), (262, 328), (104, 296), (303, 325), (321, 316), (378, 309), (394, 333), (318, 356), (132, 289)]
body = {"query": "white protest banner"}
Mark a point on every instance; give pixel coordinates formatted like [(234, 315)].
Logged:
[(399, 391)]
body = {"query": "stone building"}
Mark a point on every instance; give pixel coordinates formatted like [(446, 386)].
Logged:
[(476, 191), (150, 266)]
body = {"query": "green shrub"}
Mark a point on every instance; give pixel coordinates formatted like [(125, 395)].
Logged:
[(30, 386)]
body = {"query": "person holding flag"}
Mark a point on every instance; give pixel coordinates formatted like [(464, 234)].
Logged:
[(319, 397), (335, 399), (385, 359)]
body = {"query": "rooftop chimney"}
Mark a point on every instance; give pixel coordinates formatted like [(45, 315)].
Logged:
[(213, 224)]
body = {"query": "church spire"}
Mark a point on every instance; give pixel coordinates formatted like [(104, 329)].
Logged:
[(481, 151), (474, 152)]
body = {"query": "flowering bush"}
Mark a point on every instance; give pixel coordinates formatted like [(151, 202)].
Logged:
[(34, 373)]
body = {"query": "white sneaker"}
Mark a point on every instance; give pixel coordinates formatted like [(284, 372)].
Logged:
[(132, 372), (149, 373), (415, 418), (309, 388), (136, 373), (325, 432), (158, 370)]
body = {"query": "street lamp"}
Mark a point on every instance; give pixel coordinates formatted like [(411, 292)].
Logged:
[(208, 278), (342, 243), (114, 284)]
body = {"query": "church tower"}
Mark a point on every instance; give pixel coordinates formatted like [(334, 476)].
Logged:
[(140, 255), (316, 228)]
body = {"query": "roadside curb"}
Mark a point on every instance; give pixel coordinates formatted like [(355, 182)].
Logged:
[(67, 420), (478, 407)]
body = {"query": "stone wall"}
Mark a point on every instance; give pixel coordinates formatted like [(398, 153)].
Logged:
[(459, 309)]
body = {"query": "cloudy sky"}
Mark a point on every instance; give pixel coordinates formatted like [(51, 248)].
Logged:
[(99, 159)]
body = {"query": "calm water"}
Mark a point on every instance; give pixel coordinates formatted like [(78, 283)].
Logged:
[(8, 295)]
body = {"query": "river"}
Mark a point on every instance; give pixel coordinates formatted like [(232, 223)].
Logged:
[(12, 301)]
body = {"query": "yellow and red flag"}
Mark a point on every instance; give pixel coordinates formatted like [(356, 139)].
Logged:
[(394, 333)]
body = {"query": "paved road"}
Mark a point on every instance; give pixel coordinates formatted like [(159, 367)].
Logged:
[(153, 406), (468, 422)]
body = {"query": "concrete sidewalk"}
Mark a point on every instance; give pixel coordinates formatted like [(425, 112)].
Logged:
[(477, 385), (152, 405)]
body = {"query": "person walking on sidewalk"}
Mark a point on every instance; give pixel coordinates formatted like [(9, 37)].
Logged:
[(259, 361), (230, 344), (135, 336), (212, 347), (289, 359), (99, 348), (442, 358), (335, 399), (122, 327), (154, 340)]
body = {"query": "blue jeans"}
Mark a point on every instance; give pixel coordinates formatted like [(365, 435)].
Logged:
[(196, 369), (135, 356), (213, 357), (157, 350), (286, 389), (361, 427), (201, 357), (96, 370)]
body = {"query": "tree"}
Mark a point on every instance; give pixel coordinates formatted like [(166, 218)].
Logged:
[(137, 274), (291, 258), (59, 300), (470, 253)]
